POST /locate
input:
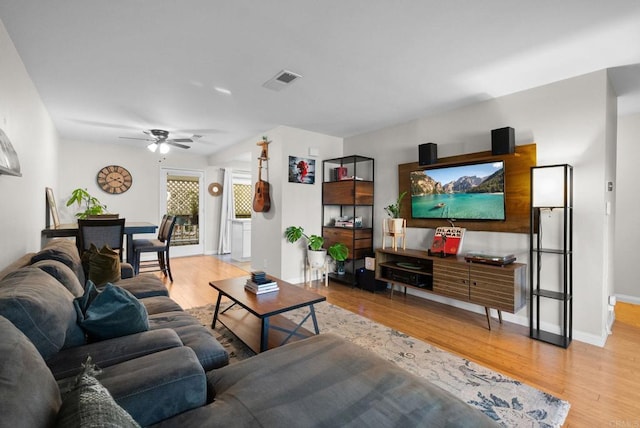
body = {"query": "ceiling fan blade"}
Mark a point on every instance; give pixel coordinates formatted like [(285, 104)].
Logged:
[(135, 138), (173, 143), (182, 140)]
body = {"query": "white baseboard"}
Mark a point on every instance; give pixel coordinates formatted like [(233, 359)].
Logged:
[(519, 319), (628, 299)]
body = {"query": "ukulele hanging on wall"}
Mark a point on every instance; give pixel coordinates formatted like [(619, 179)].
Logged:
[(261, 199)]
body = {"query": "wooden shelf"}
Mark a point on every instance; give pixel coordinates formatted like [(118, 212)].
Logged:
[(349, 198), (497, 287), (247, 327)]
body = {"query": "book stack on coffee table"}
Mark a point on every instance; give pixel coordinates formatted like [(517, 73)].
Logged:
[(260, 284)]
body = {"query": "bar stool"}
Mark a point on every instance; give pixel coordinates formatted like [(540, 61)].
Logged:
[(160, 245)]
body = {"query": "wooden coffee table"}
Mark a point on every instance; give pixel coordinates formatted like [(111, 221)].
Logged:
[(258, 323)]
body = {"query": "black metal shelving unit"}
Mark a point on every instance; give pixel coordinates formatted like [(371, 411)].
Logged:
[(551, 211), (349, 197)]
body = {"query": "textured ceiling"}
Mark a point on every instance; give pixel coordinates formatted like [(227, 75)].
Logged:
[(107, 69)]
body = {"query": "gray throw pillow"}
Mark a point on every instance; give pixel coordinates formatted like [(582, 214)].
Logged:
[(89, 404), (30, 394), (63, 274), (110, 312), (65, 251), (42, 309)]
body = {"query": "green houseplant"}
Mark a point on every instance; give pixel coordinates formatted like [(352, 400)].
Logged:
[(315, 253), (339, 252), (394, 224), (92, 206), (394, 209)]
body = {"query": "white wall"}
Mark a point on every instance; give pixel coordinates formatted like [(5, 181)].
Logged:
[(26, 122), (627, 234), (141, 202), (269, 250), (568, 121)]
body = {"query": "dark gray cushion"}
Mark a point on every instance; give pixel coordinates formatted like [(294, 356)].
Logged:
[(144, 286), (158, 386), (210, 352), (41, 308), (65, 251), (326, 381), (66, 363), (63, 274), (159, 304), (110, 312), (29, 396), (89, 404)]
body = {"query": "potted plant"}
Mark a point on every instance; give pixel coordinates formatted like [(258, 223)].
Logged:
[(395, 222), (315, 253), (92, 205), (339, 252)]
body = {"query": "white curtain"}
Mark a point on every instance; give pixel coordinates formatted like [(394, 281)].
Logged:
[(227, 213)]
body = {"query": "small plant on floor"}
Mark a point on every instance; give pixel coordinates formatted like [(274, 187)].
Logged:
[(339, 252)]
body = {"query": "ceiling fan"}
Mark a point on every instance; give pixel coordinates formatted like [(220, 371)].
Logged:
[(160, 140)]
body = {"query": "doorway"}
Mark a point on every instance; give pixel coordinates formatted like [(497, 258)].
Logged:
[(181, 194)]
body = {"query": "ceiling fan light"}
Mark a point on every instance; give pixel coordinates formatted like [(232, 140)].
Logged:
[(164, 148), (152, 147)]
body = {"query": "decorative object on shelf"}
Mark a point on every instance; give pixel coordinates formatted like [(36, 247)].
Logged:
[(92, 206), (339, 173), (114, 179), (52, 209), (339, 252), (261, 199), (9, 163), (447, 241), (551, 210), (396, 229), (395, 223), (316, 255), (215, 189), (302, 170)]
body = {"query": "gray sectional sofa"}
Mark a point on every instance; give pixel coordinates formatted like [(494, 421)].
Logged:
[(176, 375)]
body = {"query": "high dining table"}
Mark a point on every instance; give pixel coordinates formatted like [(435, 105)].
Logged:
[(70, 230)]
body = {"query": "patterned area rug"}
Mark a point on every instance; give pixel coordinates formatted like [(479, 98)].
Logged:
[(507, 401)]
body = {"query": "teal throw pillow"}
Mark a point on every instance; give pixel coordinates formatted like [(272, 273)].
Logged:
[(110, 312)]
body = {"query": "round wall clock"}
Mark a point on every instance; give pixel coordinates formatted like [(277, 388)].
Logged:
[(215, 189), (114, 179)]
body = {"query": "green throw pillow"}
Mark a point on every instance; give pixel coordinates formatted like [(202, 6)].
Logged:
[(103, 265), (110, 312), (89, 404)]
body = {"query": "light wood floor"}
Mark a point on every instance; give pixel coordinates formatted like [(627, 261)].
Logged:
[(602, 384)]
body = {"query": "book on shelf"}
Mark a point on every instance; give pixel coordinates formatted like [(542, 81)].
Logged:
[(447, 240)]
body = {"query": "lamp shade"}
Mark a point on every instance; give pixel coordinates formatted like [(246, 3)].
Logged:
[(548, 186), (164, 148), (152, 147)]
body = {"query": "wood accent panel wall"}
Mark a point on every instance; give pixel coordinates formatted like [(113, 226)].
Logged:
[(517, 169)]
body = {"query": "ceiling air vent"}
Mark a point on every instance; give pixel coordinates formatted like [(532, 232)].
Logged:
[(281, 80)]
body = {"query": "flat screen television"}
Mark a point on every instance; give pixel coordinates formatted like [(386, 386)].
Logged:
[(469, 191)]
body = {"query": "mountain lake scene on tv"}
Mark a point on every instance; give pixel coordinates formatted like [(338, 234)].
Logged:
[(464, 192)]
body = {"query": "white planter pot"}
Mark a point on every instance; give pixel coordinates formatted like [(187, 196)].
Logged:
[(316, 258), (394, 225)]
